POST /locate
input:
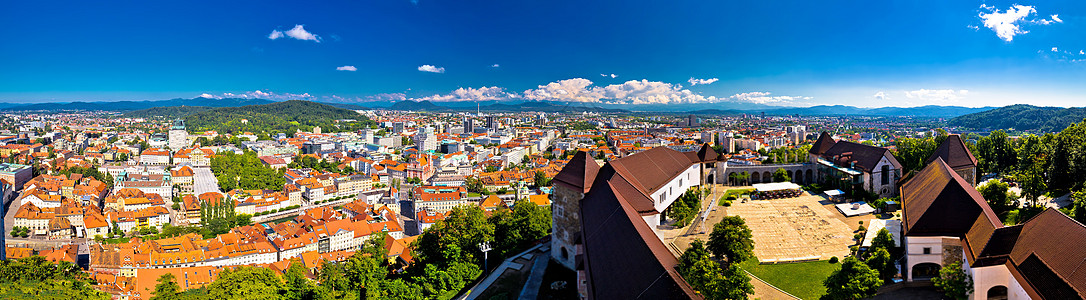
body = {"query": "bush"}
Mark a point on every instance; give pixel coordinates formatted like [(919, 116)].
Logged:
[(857, 236), (833, 260), (862, 228)]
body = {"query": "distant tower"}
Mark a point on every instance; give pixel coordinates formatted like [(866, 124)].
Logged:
[(492, 123), (179, 137), (570, 185)]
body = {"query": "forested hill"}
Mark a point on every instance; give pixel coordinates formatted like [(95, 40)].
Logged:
[(170, 112), (1022, 117), (285, 117)]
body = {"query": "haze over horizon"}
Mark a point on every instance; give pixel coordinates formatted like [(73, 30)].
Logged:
[(972, 54)]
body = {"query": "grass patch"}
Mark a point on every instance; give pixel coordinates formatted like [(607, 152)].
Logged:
[(733, 194), (473, 195), (803, 279)]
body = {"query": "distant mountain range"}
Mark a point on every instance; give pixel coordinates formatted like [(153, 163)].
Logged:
[(199, 104), (136, 105), (920, 111), (1022, 117)]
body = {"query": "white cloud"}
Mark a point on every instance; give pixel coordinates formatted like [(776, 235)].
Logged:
[(258, 94), (629, 92), (206, 95), (1057, 18), (431, 69), (766, 98), (1054, 49), (298, 33), (1004, 24), (694, 81), (574, 90), (942, 96), (472, 94), (495, 66), (881, 96), (1081, 52), (611, 75), (346, 68)]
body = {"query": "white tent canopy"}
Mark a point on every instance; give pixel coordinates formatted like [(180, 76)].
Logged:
[(775, 186)]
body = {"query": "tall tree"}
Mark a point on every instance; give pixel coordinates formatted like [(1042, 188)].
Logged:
[(953, 281), (246, 283), (999, 198), (167, 288), (732, 240), (855, 280)]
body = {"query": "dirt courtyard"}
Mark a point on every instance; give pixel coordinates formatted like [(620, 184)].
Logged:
[(795, 229)]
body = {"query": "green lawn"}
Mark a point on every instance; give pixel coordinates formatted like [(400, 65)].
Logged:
[(734, 192), (802, 279)]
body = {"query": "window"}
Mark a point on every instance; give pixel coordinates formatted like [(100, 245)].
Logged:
[(885, 174), (927, 250), (662, 196)]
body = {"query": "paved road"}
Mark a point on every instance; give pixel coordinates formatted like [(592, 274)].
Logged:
[(204, 181)]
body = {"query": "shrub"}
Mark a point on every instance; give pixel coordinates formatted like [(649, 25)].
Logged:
[(862, 228), (833, 260)]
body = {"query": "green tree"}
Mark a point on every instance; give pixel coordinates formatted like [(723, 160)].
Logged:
[(953, 281), (246, 283), (166, 288), (1078, 206), (732, 240), (295, 285), (999, 198), (1033, 183), (541, 180), (880, 261), (708, 278), (855, 280), (780, 175), (517, 228)]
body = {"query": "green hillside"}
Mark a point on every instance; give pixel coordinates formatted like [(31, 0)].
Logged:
[(170, 112), (285, 117), (1022, 117)]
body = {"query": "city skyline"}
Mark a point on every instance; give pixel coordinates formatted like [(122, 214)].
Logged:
[(784, 54)]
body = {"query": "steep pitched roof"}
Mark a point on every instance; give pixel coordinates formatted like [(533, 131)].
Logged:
[(824, 142), (623, 257), (1048, 253), (866, 157), (649, 170), (938, 202), (707, 154), (954, 152), (579, 173)]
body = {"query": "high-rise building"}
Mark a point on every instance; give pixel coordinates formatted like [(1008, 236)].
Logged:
[(397, 127), (179, 137), (426, 140), (492, 123), (469, 125)]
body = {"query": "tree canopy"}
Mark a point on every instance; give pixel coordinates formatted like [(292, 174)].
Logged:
[(731, 239)]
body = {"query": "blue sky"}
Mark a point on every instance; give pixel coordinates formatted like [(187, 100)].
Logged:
[(801, 53)]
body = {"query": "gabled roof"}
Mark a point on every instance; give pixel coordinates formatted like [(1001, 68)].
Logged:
[(954, 152), (579, 173), (1049, 254), (649, 170), (865, 157), (624, 258), (938, 202), (824, 142)]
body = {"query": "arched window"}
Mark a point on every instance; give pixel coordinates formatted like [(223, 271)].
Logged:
[(885, 174), (998, 292), (565, 255)]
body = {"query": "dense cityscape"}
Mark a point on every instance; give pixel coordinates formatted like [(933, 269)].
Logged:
[(440, 150)]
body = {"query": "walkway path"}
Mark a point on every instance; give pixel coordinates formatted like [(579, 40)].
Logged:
[(535, 279)]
